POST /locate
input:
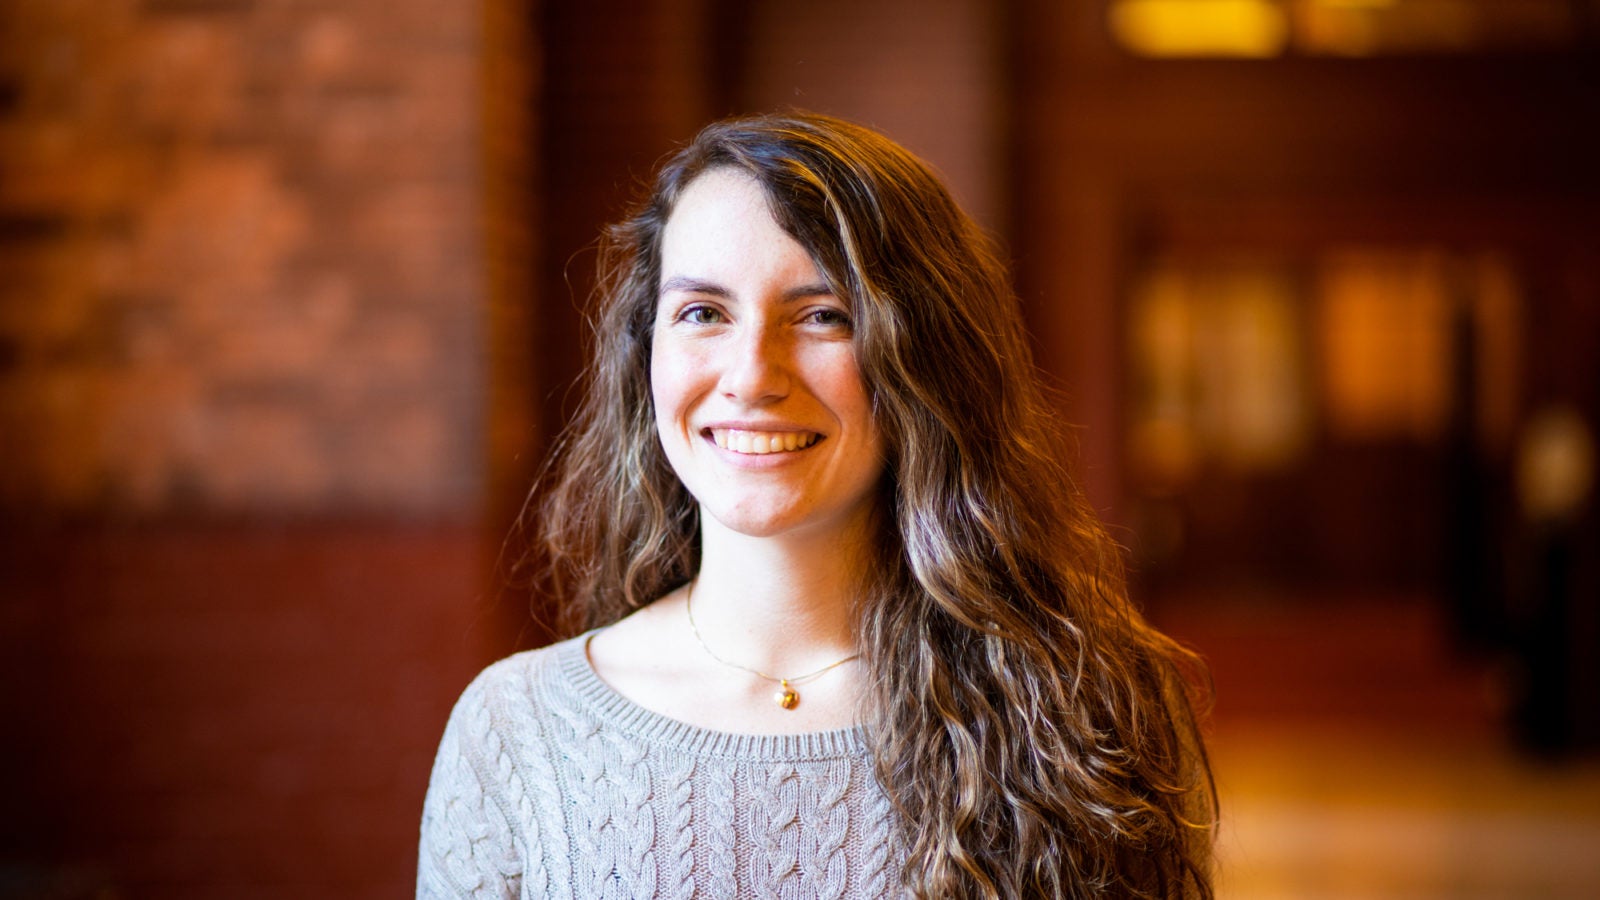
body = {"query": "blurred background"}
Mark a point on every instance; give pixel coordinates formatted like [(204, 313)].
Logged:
[(289, 312)]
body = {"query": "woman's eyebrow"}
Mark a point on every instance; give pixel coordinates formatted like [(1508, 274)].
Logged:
[(807, 291), (711, 288), (693, 286)]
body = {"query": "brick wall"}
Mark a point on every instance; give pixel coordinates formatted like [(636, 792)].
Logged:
[(266, 306), (241, 256), (239, 711)]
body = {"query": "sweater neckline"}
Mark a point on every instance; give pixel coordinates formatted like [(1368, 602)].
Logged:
[(618, 711)]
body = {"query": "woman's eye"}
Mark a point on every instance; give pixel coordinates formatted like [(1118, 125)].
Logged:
[(832, 317), (700, 315)]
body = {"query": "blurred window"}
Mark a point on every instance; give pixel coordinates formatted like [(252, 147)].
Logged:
[(1390, 325), (1242, 362), (1220, 368), (1271, 28)]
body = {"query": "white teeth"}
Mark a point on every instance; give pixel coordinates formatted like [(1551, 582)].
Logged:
[(758, 443)]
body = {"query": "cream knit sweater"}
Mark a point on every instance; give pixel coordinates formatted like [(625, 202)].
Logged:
[(550, 784)]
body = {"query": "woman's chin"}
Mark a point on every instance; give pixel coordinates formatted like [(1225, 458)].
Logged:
[(779, 522), (754, 524)]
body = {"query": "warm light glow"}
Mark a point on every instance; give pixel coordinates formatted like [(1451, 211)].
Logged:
[(1388, 321), (1240, 28), (1218, 371), (1555, 465), (1377, 27), (1385, 333)]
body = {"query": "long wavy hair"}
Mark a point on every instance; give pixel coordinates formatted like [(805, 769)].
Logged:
[(1035, 735)]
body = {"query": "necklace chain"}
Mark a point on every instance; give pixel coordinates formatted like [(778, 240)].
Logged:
[(787, 697)]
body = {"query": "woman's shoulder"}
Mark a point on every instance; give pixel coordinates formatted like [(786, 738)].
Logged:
[(529, 663), (520, 686)]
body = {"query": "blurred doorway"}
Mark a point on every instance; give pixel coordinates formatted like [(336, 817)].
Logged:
[(1321, 417)]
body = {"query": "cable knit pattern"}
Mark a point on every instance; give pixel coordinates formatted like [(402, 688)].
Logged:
[(774, 815), (550, 784), (827, 866), (721, 865), (879, 846)]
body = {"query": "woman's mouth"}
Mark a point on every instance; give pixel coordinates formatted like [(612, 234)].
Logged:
[(762, 442)]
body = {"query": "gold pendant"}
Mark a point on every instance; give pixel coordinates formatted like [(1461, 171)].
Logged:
[(787, 698)]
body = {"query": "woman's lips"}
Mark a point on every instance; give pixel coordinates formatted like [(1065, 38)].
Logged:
[(757, 443)]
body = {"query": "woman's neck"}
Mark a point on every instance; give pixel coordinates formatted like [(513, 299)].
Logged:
[(784, 603), (775, 607)]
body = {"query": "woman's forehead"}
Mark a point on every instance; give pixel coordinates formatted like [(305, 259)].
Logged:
[(722, 231)]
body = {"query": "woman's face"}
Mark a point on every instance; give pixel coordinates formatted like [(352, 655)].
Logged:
[(758, 397)]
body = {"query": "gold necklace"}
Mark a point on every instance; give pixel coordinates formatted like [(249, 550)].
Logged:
[(786, 697)]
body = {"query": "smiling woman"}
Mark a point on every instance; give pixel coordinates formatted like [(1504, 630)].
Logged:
[(752, 353), (847, 627)]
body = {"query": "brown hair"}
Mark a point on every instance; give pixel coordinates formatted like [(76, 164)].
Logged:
[(1035, 735)]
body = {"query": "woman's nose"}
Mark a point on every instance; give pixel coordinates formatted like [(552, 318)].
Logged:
[(757, 368)]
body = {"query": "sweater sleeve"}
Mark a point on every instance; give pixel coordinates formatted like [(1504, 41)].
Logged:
[(467, 846)]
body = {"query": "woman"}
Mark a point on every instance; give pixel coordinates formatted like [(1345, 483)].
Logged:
[(851, 630)]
